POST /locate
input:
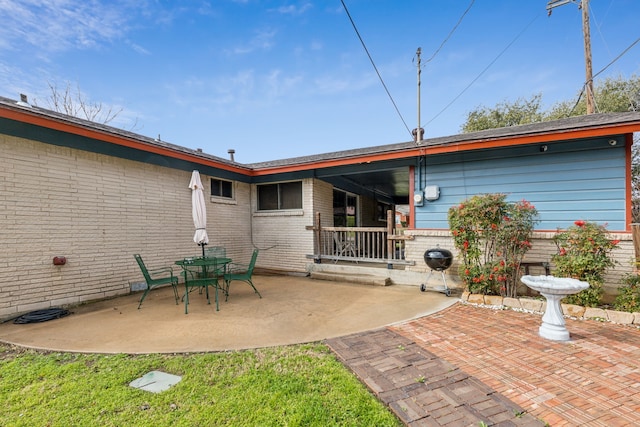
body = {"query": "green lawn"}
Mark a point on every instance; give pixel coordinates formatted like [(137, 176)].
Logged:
[(300, 385)]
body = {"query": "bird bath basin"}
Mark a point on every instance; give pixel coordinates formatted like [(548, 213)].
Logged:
[(554, 289)]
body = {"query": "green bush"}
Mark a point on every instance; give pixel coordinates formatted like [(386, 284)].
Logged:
[(584, 253), (628, 298), (492, 236)]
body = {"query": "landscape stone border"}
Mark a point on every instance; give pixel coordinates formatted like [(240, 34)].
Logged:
[(538, 306)]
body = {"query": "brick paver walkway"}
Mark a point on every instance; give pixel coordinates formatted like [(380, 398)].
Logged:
[(469, 364)]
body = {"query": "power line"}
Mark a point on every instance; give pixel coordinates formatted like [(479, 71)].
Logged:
[(599, 28), (451, 32), (374, 66), (584, 86), (600, 72), (484, 70), (617, 57)]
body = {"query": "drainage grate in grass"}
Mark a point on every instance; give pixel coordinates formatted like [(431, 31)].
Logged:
[(155, 381)]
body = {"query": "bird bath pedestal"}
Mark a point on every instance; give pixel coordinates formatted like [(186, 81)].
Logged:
[(554, 289)]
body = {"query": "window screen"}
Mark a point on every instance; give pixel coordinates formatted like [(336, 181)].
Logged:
[(285, 195)]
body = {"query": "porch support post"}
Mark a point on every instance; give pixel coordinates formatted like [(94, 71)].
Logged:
[(317, 242), (635, 232), (390, 242)]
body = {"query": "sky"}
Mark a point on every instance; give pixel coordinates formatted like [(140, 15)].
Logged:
[(283, 78)]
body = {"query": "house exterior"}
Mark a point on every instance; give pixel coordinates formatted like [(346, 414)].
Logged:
[(96, 195)]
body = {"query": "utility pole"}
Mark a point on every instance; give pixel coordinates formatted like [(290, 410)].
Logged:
[(591, 107), (419, 133), (586, 32)]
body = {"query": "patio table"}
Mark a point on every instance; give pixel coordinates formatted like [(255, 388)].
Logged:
[(209, 270)]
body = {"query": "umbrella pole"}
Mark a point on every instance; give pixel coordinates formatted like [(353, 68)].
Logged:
[(202, 244)]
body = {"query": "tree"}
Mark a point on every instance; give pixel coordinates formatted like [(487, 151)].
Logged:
[(504, 114), (612, 95), (74, 103)]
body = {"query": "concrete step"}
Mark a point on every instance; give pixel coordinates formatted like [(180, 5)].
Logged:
[(359, 273), (363, 279)]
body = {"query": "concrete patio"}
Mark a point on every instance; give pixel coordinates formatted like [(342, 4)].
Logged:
[(433, 360), (292, 310)]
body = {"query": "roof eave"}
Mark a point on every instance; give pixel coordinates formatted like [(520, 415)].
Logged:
[(544, 132), (44, 118)]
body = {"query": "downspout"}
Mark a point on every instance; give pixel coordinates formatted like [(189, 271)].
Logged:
[(412, 208)]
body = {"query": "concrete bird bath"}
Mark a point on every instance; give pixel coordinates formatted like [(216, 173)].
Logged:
[(554, 289)]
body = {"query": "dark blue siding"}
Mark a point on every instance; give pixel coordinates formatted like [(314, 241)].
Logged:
[(569, 182)]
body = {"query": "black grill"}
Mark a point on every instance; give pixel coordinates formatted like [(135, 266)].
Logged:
[(438, 259)]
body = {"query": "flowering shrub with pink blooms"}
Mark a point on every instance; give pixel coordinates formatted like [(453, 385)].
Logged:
[(492, 236), (584, 253)]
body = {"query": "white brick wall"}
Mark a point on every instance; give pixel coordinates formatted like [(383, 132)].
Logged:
[(323, 202), (229, 223), (541, 250), (97, 211), (282, 237)]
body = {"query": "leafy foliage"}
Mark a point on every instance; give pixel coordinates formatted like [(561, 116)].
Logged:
[(628, 298), (492, 235), (612, 95), (504, 114), (584, 253)]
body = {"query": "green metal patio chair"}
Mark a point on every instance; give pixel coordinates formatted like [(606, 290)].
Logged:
[(216, 252), (241, 272), (200, 277), (157, 277)]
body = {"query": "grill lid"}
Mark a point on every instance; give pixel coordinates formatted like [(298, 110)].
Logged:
[(438, 259)]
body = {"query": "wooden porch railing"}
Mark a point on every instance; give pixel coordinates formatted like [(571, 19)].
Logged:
[(359, 244)]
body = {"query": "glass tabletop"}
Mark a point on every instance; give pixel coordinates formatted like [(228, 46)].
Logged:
[(199, 261)]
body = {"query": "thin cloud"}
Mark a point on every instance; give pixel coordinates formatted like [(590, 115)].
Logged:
[(262, 40), (294, 9), (316, 45), (15, 81), (279, 85), (59, 25), (339, 84), (136, 47), (243, 90)]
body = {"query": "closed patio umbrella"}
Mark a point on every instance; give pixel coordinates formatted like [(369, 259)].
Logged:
[(199, 210)]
